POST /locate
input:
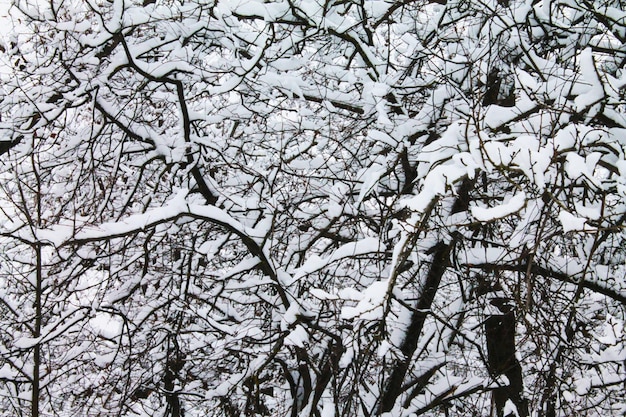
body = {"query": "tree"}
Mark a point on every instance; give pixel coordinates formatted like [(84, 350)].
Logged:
[(299, 208)]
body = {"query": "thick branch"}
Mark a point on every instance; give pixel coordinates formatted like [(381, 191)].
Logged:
[(216, 216), (440, 262), (560, 276)]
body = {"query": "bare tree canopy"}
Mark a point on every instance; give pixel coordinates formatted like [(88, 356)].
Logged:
[(313, 208)]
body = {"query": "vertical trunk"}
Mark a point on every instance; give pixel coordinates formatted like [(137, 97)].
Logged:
[(173, 402), (37, 307), (500, 335), (35, 388), (174, 364), (440, 262), (551, 390)]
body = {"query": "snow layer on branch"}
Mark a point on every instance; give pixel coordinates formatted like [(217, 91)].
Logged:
[(595, 91), (318, 127), (571, 222), (370, 307), (513, 205), (316, 263), (175, 208)]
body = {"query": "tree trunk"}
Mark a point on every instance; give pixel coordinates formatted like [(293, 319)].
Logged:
[(500, 335), (440, 262), (35, 388)]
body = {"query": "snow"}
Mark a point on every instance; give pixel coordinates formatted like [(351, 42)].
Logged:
[(570, 222), (291, 315), (612, 333), (439, 180), (307, 119), (6, 372), (513, 205), (595, 92), (177, 207), (370, 306), (315, 263), (488, 255), (384, 348), (329, 409), (104, 360), (297, 337), (106, 325), (497, 116), (591, 212), (370, 179), (322, 295), (510, 409)]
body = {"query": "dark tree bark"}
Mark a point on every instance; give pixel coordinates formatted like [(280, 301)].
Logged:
[(440, 262), (500, 335), (5, 146), (174, 365)]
